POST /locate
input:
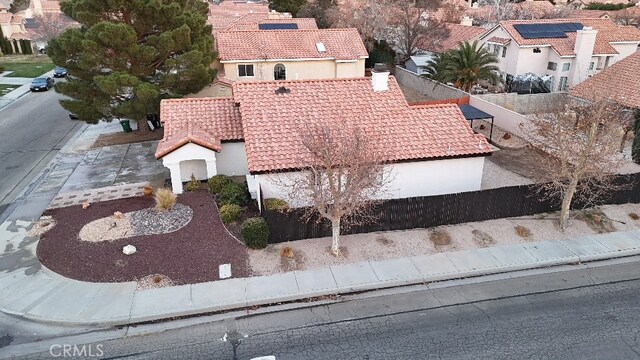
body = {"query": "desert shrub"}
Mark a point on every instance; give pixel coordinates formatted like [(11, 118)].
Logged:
[(193, 184), (440, 237), (230, 213), (522, 231), (287, 252), (506, 136), (634, 216), (233, 193), (275, 204), (482, 238), (165, 199), (216, 183), (255, 232)]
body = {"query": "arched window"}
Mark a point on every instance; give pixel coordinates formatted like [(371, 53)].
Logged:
[(279, 72)]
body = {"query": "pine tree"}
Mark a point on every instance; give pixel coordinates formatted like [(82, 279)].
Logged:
[(127, 55)]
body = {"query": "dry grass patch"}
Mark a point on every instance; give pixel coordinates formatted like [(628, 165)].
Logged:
[(482, 238), (383, 240), (596, 220), (523, 232), (291, 260), (440, 237), (634, 216)]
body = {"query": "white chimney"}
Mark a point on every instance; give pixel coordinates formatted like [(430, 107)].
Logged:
[(380, 77), (585, 42), (466, 21)]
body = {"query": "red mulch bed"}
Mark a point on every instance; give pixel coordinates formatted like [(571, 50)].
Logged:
[(189, 255)]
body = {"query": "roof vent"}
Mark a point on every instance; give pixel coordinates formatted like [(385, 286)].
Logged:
[(320, 47), (236, 104), (282, 90)]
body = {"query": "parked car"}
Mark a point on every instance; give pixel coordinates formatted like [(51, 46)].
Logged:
[(59, 71), (42, 84)]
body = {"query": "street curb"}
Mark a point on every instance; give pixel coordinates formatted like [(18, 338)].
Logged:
[(294, 298)]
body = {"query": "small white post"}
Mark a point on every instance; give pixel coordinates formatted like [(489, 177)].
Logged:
[(176, 177)]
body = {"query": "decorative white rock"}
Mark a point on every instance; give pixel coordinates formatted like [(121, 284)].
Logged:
[(129, 249)]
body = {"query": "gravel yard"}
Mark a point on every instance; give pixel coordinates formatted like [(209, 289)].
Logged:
[(189, 254), (312, 253)]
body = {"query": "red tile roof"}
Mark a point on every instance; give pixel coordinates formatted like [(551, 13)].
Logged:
[(5, 18), (499, 40), (608, 32), (340, 44), (204, 121), (272, 122), (620, 82), (457, 33), (251, 22)]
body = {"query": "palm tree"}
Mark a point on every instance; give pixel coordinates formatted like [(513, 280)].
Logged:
[(464, 66)]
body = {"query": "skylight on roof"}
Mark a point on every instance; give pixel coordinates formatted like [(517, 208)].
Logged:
[(320, 47)]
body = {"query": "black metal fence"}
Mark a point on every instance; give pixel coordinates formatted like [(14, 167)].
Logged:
[(429, 211)]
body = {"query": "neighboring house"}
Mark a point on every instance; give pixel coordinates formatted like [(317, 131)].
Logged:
[(430, 149), (620, 82), (416, 64), (227, 13), (568, 51), (286, 55), (457, 33), (12, 26)]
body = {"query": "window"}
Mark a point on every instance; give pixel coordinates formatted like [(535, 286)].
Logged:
[(550, 83), (495, 49), (504, 51), (563, 84), (566, 66), (537, 50), (279, 72), (552, 66), (592, 65), (245, 70)]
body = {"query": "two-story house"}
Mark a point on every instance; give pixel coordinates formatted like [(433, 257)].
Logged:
[(566, 51), (286, 53)]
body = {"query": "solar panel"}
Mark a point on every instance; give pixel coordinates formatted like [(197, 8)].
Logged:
[(546, 30), (279, 26)]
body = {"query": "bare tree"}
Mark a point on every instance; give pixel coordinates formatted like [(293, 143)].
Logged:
[(584, 142), (500, 10), (369, 17), (627, 16), (50, 25), (345, 174), (412, 22)]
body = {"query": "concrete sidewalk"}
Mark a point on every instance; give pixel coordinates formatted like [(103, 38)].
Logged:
[(47, 297)]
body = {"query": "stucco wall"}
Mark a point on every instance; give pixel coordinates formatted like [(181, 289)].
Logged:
[(527, 103), (192, 159), (297, 70), (624, 50), (427, 87), (504, 118), (410, 179), (213, 90), (232, 159)]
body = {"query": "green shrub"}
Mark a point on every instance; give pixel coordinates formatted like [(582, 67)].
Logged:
[(216, 183), (233, 193), (193, 184), (230, 213), (255, 232), (275, 204)]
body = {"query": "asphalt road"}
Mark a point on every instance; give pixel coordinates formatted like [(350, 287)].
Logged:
[(591, 313), (32, 130)]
